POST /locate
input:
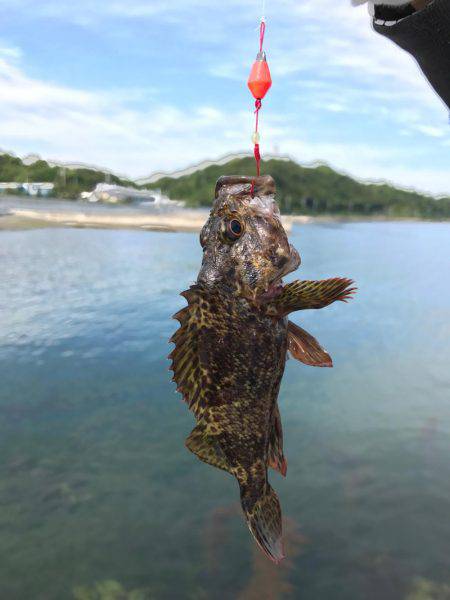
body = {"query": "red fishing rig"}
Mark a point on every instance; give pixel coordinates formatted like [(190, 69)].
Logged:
[(259, 83)]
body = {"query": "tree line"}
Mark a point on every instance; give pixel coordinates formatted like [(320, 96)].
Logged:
[(311, 191)]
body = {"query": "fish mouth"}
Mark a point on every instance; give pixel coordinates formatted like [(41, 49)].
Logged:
[(294, 262), (274, 289)]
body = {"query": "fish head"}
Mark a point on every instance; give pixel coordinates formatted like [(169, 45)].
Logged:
[(244, 242)]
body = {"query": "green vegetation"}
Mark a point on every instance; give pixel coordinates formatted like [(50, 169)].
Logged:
[(424, 589), (110, 590), (300, 190), (69, 183), (310, 191)]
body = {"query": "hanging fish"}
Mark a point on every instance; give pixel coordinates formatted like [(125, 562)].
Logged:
[(231, 348)]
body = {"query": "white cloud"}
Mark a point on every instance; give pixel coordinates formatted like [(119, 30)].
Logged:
[(328, 46), (10, 52), (100, 128), (327, 64), (71, 124), (436, 132)]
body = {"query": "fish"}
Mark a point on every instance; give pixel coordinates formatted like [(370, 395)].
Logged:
[(233, 342)]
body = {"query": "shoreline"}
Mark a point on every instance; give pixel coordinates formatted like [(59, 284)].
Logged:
[(24, 216), (177, 220), (170, 222)]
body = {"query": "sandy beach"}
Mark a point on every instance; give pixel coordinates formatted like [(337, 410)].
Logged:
[(31, 214), (174, 221), (25, 213)]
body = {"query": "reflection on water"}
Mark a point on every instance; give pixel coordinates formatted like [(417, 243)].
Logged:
[(99, 498)]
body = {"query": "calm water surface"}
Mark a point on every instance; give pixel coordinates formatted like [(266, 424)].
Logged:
[(99, 498)]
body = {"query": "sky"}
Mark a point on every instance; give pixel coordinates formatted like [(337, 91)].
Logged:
[(141, 86)]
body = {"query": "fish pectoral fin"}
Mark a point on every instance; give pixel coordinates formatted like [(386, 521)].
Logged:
[(207, 447), (305, 348), (275, 457), (302, 295)]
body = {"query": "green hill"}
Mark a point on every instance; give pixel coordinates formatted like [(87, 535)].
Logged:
[(68, 182), (300, 190), (311, 191)]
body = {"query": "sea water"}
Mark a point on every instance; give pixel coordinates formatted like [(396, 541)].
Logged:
[(98, 495)]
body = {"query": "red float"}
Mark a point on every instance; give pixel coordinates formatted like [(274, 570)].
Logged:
[(259, 81)]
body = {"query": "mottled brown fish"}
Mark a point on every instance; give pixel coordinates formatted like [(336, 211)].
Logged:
[(231, 348)]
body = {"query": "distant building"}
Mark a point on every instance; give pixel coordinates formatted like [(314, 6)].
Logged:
[(38, 189), (10, 186), (30, 189), (116, 194)]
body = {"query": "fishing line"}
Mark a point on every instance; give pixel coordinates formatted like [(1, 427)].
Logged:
[(259, 83)]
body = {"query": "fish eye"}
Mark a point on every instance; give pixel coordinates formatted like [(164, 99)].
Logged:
[(234, 229)]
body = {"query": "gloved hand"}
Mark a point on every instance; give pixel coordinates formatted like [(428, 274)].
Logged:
[(385, 2), (418, 4), (422, 28)]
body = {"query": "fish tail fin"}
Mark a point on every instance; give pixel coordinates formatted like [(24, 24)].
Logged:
[(264, 521)]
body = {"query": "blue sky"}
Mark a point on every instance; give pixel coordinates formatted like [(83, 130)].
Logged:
[(138, 86)]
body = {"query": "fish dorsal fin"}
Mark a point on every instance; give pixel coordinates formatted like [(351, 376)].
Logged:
[(276, 458), (305, 348), (189, 371)]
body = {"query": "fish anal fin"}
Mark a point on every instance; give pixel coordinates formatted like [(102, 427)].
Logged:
[(207, 448), (275, 458), (305, 348), (277, 465)]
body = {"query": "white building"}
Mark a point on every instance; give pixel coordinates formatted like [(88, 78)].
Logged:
[(31, 189), (38, 189), (115, 194), (10, 186)]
